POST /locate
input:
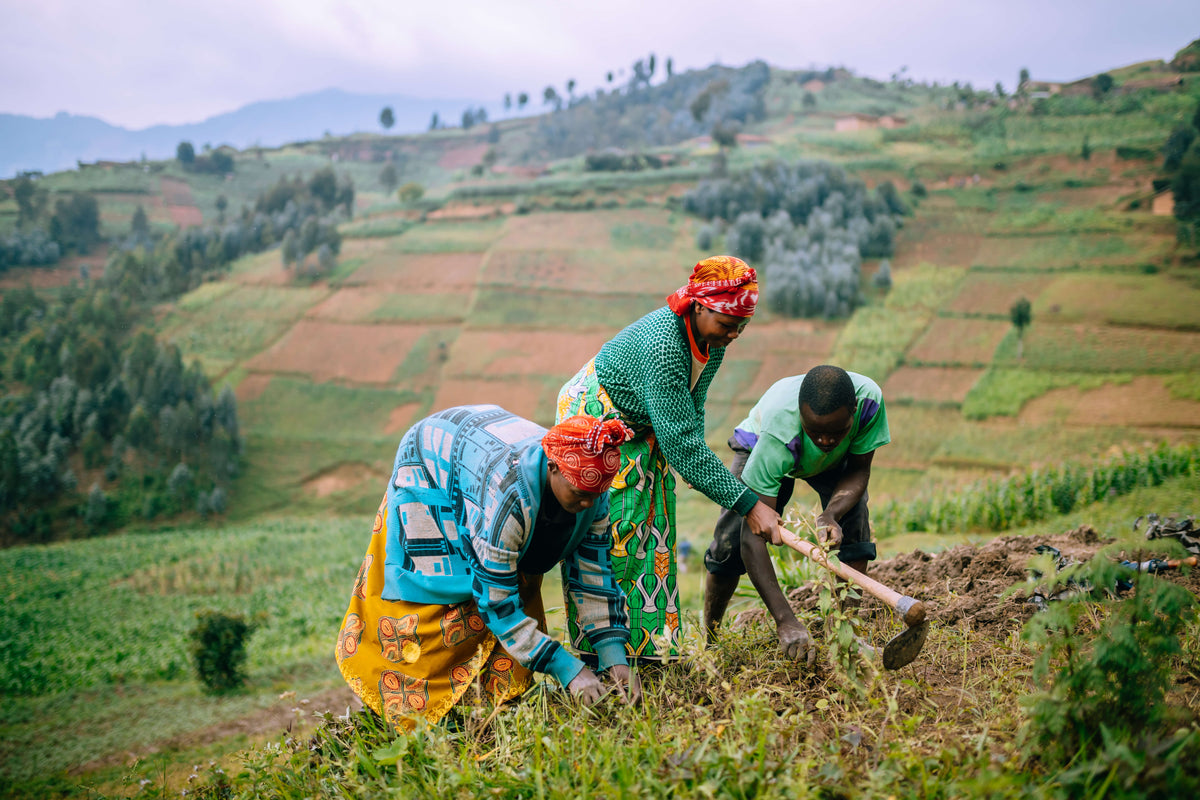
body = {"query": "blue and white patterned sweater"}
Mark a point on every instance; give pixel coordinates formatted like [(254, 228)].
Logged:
[(465, 492)]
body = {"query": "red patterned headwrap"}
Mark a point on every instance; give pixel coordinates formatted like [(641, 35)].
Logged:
[(725, 284), (585, 450)]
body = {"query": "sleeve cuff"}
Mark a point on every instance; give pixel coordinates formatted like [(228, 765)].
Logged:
[(745, 502), (611, 653), (564, 667)]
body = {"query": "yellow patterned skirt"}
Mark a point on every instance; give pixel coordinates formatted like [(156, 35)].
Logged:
[(411, 660)]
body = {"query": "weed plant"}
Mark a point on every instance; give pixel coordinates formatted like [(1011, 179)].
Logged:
[(1101, 718)]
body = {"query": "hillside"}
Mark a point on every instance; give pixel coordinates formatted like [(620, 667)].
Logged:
[(495, 286)]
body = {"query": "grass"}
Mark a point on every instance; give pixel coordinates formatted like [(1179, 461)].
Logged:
[(875, 339), (1002, 392), (291, 408), (450, 237), (1155, 301), (501, 306)]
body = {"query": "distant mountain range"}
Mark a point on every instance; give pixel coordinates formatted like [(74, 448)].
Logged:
[(57, 143)]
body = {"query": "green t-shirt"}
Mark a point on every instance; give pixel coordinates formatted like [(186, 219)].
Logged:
[(780, 449)]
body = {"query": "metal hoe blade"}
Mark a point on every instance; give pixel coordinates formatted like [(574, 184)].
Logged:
[(902, 649)]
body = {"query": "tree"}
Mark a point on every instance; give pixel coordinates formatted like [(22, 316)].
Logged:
[(508, 101), (883, 276), (434, 124), (139, 226), (1021, 315), (1102, 84), (670, 68), (222, 204), (185, 154), (522, 100), (410, 192), (1085, 151), (388, 177), (1000, 90), (1022, 80), (387, 118), (289, 249), (550, 96), (24, 192)]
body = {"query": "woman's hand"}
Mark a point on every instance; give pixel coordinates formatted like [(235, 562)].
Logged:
[(628, 683), (764, 523), (586, 687)]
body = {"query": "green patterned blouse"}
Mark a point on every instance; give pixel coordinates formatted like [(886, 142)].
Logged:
[(646, 369)]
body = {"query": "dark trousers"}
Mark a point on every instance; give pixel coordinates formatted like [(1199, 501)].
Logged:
[(724, 554)]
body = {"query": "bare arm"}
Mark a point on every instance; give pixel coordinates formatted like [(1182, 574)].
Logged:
[(849, 491), (794, 637)]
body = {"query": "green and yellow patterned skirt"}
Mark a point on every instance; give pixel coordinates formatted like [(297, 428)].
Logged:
[(641, 524)]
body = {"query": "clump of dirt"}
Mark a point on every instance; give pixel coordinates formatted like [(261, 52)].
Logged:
[(969, 584)]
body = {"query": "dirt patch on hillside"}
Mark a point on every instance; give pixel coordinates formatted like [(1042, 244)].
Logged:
[(400, 418), (959, 341), (983, 293), (942, 249), (251, 387), (1143, 402), (460, 157), (61, 274), (341, 478), (348, 305), (417, 273), (177, 197), (328, 351), (931, 384), (966, 584), (562, 229), (529, 399), (493, 354), (452, 211)]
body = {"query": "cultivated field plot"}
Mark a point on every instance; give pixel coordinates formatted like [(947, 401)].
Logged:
[(1156, 301), (368, 304), (966, 342), (1090, 348), (332, 351), (220, 340), (1024, 442), (262, 269), (1071, 250), (498, 306), (268, 301), (385, 266), (917, 432), (294, 408), (473, 236), (782, 347), (495, 353), (569, 230), (1144, 402), (205, 295), (588, 270), (990, 293), (943, 248), (533, 398), (931, 385)]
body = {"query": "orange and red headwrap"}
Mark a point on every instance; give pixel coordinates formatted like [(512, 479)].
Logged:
[(585, 450), (725, 284)]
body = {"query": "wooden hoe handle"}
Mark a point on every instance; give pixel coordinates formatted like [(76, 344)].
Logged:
[(911, 609)]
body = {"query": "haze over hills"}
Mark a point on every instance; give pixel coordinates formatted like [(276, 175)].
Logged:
[(57, 143)]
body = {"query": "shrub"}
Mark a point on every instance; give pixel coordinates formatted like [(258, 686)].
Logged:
[(219, 649)]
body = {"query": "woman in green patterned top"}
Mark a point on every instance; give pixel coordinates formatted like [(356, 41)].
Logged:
[(654, 375)]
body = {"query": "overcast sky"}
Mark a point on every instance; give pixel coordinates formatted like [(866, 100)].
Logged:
[(136, 63)]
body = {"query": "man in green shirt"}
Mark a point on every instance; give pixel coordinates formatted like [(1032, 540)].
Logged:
[(822, 427)]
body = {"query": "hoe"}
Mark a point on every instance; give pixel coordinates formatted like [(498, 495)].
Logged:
[(903, 648)]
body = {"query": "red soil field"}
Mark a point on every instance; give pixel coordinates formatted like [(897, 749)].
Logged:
[(1143, 402), (466, 156), (251, 386), (988, 293), (931, 384), (510, 352), (400, 418), (571, 230), (61, 274), (945, 249), (328, 351), (418, 272), (528, 399), (959, 341)]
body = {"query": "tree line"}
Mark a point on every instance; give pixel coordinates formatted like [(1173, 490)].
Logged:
[(806, 226), (100, 424), (45, 233)]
